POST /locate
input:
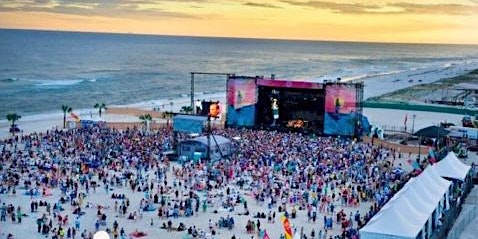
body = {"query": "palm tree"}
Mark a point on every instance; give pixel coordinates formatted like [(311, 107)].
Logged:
[(13, 118), (66, 109), (146, 118), (186, 109), (100, 107)]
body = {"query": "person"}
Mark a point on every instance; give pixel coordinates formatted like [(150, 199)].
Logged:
[(19, 215), (337, 105), (170, 225), (198, 107), (77, 223), (214, 110), (3, 212), (97, 225), (275, 111)]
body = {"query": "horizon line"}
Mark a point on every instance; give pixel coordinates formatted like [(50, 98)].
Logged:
[(243, 38)]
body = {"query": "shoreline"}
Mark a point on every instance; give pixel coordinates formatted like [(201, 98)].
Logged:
[(421, 94)]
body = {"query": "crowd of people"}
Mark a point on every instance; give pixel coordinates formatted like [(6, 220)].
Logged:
[(123, 176)]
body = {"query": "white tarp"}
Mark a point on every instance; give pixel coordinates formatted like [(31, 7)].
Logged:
[(408, 211), (452, 167)]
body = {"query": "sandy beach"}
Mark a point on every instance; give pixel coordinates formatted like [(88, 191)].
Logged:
[(148, 222), (444, 89)]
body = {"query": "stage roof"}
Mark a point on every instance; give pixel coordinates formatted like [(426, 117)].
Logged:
[(289, 84)]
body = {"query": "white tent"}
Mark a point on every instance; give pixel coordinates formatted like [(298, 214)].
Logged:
[(390, 223), (410, 210), (452, 167)]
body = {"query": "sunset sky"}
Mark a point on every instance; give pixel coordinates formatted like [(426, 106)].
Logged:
[(423, 21)]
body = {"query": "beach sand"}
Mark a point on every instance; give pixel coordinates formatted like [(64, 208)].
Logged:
[(28, 227)]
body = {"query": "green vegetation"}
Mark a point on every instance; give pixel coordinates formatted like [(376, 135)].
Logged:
[(100, 107), (13, 118), (417, 97), (66, 109), (186, 109), (418, 107), (418, 92)]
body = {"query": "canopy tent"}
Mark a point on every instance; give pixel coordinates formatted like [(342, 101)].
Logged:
[(189, 123), (432, 132), (406, 214), (390, 223), (452, 167), (219, 146)]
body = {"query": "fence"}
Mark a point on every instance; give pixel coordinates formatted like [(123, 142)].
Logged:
[(470, 213), (136, 112), (398, 147)]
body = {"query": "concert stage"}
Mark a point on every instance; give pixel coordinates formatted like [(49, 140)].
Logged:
[(330, 108)]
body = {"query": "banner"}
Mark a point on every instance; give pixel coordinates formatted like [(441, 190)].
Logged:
[(287, 227), (241, 102), (75, 117), (340, 109), (241, 92)]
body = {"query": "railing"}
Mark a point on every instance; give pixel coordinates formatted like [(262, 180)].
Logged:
[(457, 223), (448, 221), (464, 221)]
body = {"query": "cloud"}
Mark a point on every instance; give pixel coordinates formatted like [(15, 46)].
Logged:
[(336, 7), (265, 5), (390, 8), (42, 1), (106, 8)]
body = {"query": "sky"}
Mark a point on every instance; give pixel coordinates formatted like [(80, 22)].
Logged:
[(410, 21)]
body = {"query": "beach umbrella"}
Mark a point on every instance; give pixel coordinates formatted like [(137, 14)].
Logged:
[(432, 132), (101, 235)]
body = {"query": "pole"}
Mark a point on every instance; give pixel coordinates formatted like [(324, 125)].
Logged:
[(192, 94), (208, 151), (419, 148), (413, 123), (209, 138), (203, 73)]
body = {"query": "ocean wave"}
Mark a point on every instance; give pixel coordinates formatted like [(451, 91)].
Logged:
[(59, 83), (355, 76), (11, 79), (370, 75), (64, 83), (111, 70)]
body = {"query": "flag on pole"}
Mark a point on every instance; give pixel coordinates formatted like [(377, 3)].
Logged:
[(287, 228), (266, 236), (75, 117), (405, 122)]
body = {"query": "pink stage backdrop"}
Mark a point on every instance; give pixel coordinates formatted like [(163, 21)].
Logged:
[(241, 92), (340, 99)]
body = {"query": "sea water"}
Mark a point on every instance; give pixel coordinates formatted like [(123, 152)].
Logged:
[(41, 70)]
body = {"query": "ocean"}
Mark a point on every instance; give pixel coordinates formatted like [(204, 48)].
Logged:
[(42, 70)]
